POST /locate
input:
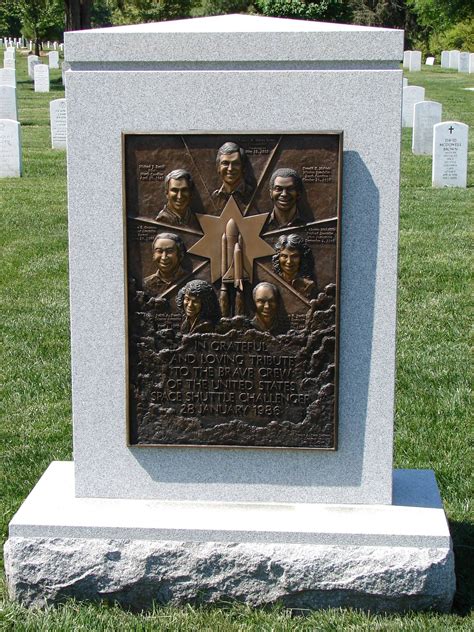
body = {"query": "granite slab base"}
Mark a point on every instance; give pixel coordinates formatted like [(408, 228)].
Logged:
[(136, 552)]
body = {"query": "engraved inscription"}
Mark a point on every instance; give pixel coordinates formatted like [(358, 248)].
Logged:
[(317, 174), (151, 172)]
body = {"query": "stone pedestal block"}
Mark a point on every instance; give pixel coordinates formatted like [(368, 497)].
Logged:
[(134, 552)]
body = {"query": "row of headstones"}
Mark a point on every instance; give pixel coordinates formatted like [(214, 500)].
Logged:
[(10, 131), (10, 138), (20, 42), (454, 59), (446, 141)]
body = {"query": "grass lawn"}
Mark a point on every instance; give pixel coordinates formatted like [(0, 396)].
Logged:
[(433, 396)]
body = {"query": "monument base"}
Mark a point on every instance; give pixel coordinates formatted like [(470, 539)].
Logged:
[(379, 557)]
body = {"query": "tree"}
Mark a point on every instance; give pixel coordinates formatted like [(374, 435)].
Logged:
[(220, 7), (10, 18), (136, 11), (326, 10), (78, 14), (41, 19), (438, 17)]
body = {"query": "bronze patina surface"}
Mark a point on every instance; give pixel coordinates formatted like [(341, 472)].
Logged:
[(232, 258)]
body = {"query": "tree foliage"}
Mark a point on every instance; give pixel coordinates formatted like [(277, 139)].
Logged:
[(136, 11), (220, 7), (324, 10), (41, 20), (10, 18)]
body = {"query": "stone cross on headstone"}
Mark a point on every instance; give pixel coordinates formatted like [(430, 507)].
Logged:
[(450, 143), (426, 115)]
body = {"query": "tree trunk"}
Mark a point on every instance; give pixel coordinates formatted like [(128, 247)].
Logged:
[(78, 14)]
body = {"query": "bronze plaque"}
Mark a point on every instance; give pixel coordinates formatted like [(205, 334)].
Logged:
[(232, 258)]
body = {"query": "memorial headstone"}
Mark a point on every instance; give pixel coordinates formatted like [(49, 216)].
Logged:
[(430, 61), (53, 59), (41, 78), (32, 61), (8, 77), (445, 59), (426, 115), (463, 64), (10, 149), (65, 66), (58, 120), (8, 107), (454, 59), (415, 61), (471, 63), (405, 82), (61, 47), (450, 143), (411, 95), (406, 59), (9, 62), (205, 415)]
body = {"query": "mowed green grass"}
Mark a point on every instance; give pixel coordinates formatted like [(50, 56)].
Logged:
[(433, 425)]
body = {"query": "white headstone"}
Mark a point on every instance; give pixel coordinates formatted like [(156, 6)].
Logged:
[(406, 58), (10, 52), (55, 45), (32, 60), (463, 64), (450, 141), (453, 59), (471, 63), (430, 61), (9, 62), (64, 67), (61, 47), (7, 77), (426, 115), (53, 59), (41, 78), (415, 61), (405, 82), (58, 118), (411, 95), (10, 149), (8, 108)]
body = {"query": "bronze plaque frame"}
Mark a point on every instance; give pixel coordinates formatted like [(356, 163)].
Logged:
[(201, 335)]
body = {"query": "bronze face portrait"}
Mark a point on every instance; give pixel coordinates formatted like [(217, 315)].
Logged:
[(285, 189), (265, 297), (232, 288), (168, 253), (294, 262)]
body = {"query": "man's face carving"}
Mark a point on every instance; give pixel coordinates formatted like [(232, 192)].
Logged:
[(265, 303), (166, 255), (230, 168), (284, 194), (178, 195)]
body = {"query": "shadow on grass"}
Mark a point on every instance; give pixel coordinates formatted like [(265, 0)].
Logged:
[(462, 534)]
